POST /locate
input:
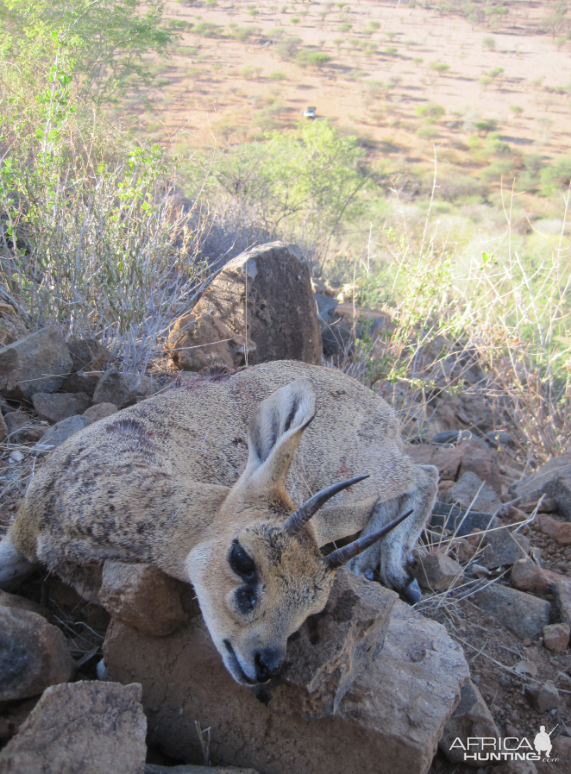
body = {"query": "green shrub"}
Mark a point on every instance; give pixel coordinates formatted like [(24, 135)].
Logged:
[(345, 27), (439, 67), (277, 75), (556, 176), (288, 47), (495, 146), (498, 169), (516, 110), (242, 33), (308, 57), (487, 125), (207, 29), (430, 110), (489, 43)]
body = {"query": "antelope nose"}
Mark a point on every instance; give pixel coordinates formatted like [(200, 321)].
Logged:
[(268, 663)]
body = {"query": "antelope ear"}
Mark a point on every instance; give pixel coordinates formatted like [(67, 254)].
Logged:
[(275, 432)]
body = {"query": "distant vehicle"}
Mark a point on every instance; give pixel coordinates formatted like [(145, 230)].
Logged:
[(309, 113)]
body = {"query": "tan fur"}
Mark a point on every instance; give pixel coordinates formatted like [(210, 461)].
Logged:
[(174, 480)]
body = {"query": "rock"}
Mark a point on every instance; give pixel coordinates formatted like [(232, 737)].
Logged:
[(541, 505), (88, 355), (561, 585), (556, 637), (15, 420), (502, 549), (548, 525), (471, 492), (17, 602), (561, 751), (438, 572), (282, 315), (523, 614), (389, 721), (114, 387), (152, 768), (478, 458), (99, 411), (525, 575), (544, 697), (337, 337), (37, 363), (516, 767), (3, 428), (446, 459), (451, 436), (326, 306), (563, 533), (60, 432), (82, 381), (33, 654), (471, 718), (204, 342), (55, 407), (459, 520), (12, 716), (81, 728), (500, 437), (143, 597), (334, 647), (552, 479)]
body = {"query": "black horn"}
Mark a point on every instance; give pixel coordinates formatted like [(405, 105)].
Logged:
[(294, 523), (343, 555)]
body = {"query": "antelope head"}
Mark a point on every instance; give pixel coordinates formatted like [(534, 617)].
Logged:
[(264, 574)]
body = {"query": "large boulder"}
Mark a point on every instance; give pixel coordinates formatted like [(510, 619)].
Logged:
[(81, 728), (205, 342), (265, 295), (33, 654), (37, 363), (395, 675)]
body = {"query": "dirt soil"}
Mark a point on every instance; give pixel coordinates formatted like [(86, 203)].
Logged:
[(372, 86)]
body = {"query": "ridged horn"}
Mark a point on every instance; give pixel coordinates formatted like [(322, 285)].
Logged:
[(294, 523), (343, 555)]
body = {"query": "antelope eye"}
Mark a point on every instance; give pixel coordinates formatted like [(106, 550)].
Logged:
[(241, 563)]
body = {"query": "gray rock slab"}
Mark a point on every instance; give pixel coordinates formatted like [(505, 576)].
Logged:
[(33, 654), (81, 728), (37, 363), (459, 520), (470, 491), (60, 432), (502, 549), (521, 613)]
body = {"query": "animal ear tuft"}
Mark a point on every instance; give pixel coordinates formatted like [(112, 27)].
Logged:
[(275, 432), (287, 411)]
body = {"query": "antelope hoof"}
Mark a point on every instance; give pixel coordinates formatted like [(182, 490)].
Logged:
[(412, 593)]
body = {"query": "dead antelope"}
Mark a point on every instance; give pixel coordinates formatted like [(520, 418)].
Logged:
[(201, 481)]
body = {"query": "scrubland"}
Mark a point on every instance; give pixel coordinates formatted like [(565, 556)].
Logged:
[(433, 184)]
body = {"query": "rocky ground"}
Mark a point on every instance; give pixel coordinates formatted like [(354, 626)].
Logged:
[(493, 564)]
